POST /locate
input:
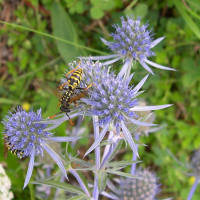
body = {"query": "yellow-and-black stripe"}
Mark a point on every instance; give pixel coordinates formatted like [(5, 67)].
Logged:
[(75, 79)]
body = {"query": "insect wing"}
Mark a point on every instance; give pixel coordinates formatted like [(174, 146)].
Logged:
[(77, 97), (5, 149), (47, 88)]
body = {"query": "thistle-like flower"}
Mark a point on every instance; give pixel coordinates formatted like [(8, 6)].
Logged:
[(112, 100), (25, 136), (135, 189), (133, 42)]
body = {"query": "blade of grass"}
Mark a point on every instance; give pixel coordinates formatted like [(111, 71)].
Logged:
[(54, 37), (52, 62), (131, 4), (9, 101), (188, 20), (193, 13)]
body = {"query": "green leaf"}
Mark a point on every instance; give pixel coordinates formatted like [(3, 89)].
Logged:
[(105, 143), (107, 5), (138, 142), (63, 28), (115, 150), (141, 10), (81, 162), (79, 7), (54, 37), (122, 174), (59, 185), (9, 101), (193, 13), (134, 127), (96, 12), (188, 20), (66, 153), (192, 74), (85, 169), (102, 178), (121, 163), (83, 179), (80, 197)]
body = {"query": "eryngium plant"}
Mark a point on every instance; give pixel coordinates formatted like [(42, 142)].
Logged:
[(145, 188), (132, 42), (27, 137), (112, 100)]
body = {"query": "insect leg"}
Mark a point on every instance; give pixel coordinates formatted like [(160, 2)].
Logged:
[(71, 122), (73, 70), (75, 102), (63, 85), (58, 104), (55, 115), (86, 87)]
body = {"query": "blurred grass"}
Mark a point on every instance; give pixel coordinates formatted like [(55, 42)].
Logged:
[(35, 52)]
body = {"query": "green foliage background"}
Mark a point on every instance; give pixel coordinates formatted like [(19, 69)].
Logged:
[(82, 23)]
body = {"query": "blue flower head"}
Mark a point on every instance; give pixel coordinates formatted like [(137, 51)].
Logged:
[(111, 100), (26, 136), (132, 39), (111, 97), (132, 42), (145, 188)]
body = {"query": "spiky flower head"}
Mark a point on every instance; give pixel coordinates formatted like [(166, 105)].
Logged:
[(26, 136), (111, 97), (132, 42), (93, 72), (23, 134), (111, 100), (195, 163), (137, 189), (5, 184), (132, 39)]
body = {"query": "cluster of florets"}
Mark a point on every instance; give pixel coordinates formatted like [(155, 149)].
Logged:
[(23, 133), (146, 188), (110, 96), (93, 72), (132, 39), (111, 100)]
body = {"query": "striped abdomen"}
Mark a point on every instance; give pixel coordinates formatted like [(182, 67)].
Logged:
[(16, 152), (65, 101), (75, 79)]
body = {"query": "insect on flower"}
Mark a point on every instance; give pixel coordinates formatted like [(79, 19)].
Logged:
[(26, 136), (8, 145), (69, 93)]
